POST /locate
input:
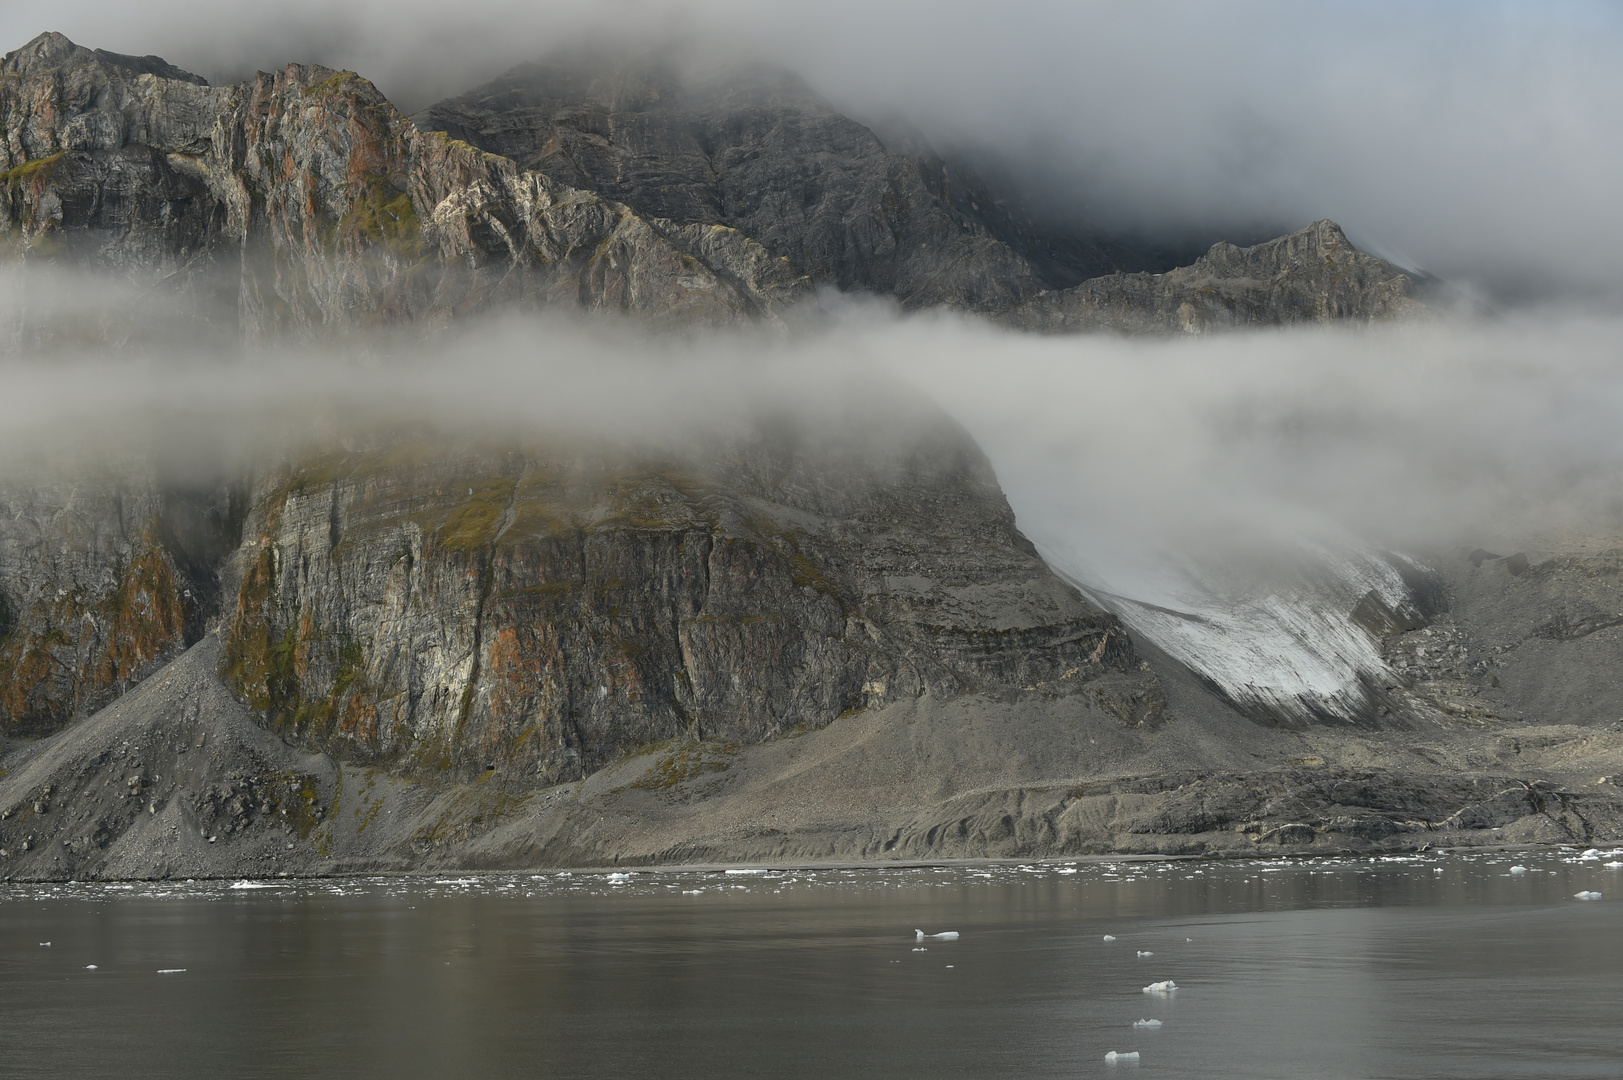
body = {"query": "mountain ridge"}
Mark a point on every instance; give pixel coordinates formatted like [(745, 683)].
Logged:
[(311, 205)]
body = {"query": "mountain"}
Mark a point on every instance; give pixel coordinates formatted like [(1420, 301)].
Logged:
[(310, 204), (815, 636), (302, 201)]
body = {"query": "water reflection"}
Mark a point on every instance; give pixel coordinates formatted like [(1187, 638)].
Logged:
[(1440, 966)]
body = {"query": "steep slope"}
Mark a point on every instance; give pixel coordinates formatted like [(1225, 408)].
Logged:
[(753, 149), (311, 204), (543, 610), (103, 579), (303, 201)]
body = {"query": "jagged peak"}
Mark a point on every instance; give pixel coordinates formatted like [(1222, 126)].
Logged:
[(52, 51)]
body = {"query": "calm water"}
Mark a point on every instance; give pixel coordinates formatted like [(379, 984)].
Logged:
[(1431, 966)]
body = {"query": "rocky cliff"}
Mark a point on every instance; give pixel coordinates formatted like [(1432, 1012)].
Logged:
[(752, 149), (303, 201), (544, 611), (103, 579), (311, 204)]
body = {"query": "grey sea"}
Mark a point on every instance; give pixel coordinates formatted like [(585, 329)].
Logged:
[(1410, 966)]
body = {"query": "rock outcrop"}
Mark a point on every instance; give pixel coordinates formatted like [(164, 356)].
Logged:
[(303, 201), (308, 203), (1311, 276), (752, 149), (102, 581), (544, 612)]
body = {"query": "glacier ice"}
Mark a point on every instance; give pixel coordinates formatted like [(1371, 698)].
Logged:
[(1165, 987), (1141, 952), (1110, 937), (1518, 869), (1147, 1023), (1586, 895), (1131, 1055)]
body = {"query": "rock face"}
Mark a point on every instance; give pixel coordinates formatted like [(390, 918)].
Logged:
[(1311, 276), (303, 201), (441, 612), (102, 581), (754, 150), (314, 205)]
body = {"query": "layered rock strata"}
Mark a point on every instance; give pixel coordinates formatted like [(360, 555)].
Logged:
[(302, 200), (312, 204), (544, 612)]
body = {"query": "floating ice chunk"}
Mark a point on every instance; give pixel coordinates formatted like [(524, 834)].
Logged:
[(1141, 952), (1110, 937), (691, 892), (1131, 1055), (171, 971), (921, 950), (1614, 864), (45, 944), (945, 935), (949, 967), (619, 877), (1586, 895), (1146, 1023), (90, 967), (1161, 987), (1518, 869), (746, 870), (251, 885), (1592, 853)]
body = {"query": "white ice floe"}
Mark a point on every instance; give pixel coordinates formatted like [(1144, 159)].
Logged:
[(90, 967), (1161, 987), (1110, 937), (1518, 869), (921, 950), (1586, 895), (1146, 1023), (745, 870), (171, 971), (945, 935), (619, 877), (691, 892), (252, 885), (1131, 1055), (45, 944), (1141, 952), (1614, 865)]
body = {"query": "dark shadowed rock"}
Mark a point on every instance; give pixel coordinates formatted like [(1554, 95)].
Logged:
[(753, 149)]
